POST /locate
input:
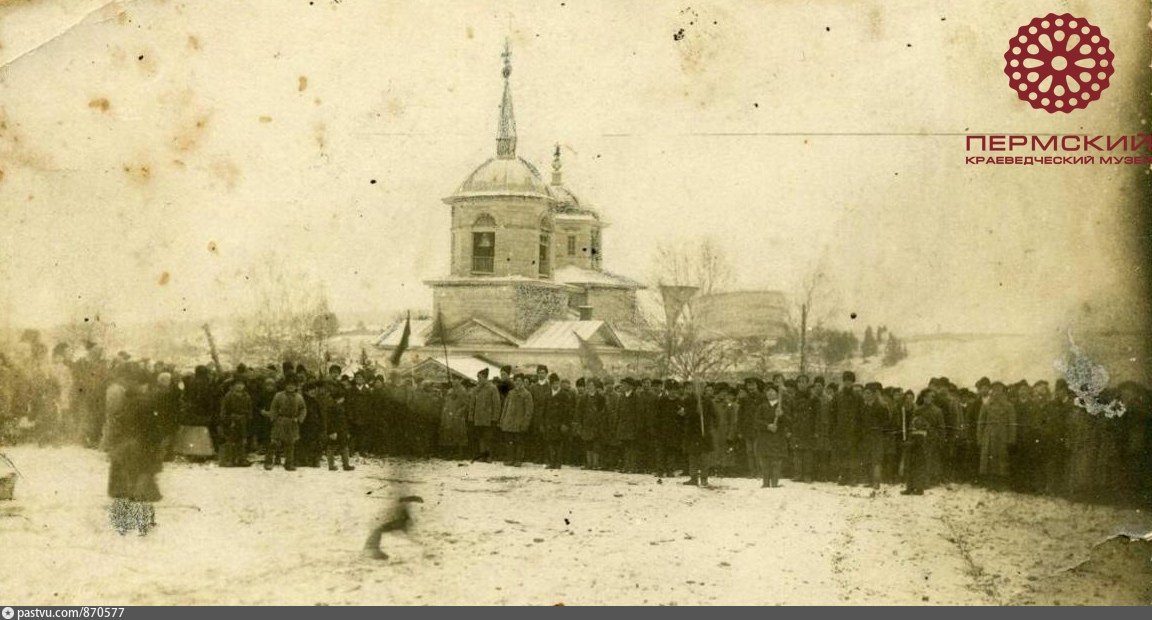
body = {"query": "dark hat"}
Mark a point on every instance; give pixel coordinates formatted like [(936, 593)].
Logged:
[(873, 386), (506, 368), (983, 381), (541, 368), (335, 368), (553, 377), (483, 374), (671, 384), (819, 379), (848, 376), (629, 381), (580, 382)]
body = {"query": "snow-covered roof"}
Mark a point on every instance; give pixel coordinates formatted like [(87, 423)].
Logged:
[(571, 274), (463, 365), (421, 330), (562, 335)]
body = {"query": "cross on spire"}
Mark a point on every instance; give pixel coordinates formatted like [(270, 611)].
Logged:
[(506, 129)]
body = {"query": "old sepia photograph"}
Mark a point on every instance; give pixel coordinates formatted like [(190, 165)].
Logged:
[(579, 303)]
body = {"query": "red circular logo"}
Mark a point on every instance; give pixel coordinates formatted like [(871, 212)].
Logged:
[(1058, 63)]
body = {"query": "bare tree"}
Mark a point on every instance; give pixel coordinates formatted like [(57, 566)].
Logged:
[(701, 263), (685, 271), (289, 317)]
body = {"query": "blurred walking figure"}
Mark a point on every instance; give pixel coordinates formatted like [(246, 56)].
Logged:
[(134, 439)]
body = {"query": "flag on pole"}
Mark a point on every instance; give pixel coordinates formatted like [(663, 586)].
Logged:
[(588, 356), (403, 346)]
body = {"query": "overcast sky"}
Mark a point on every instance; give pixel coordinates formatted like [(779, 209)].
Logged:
[(197, 139)]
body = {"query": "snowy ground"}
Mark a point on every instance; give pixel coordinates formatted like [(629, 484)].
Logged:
[(488, 534)]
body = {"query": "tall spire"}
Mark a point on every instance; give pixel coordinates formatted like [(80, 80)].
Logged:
[(506, 130)]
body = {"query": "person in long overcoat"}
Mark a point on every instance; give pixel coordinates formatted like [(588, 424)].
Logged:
[(845, 419), (698, 421), (516, 420), (484, 415), (996, 431), (875, 426), (747, 408), (723, 456), (802, 419), (772, 427), (134, 442), (627, 424), (557, 424), (589, 422), (541, 389), (453, 432), (336, 424), (310, 444), (287, 412), (669, 430), (823, 398), (235, 410)]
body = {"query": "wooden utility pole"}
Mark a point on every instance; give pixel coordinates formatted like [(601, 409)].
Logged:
[(803, 338)]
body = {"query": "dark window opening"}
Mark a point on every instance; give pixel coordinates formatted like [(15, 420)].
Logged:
[(483, 252)]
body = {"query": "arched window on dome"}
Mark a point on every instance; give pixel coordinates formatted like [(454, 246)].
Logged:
[(484, 244)]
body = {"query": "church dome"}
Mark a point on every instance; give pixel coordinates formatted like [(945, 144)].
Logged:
[(504, 176), (567, 201)]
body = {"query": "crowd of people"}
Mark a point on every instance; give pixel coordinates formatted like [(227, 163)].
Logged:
[(1029, 438)]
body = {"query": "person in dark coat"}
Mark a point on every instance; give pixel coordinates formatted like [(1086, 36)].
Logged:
[(747, 408), (235, 410), (822, 403), (915, 450), (134, 441), (310, 445), (645, 425), (541, 389), (335, 428), (627, 424), (557, 420), (669, 431), (589, 421), (876, 427), (698, 420), (772, 428), (845, 420), (802, 419)]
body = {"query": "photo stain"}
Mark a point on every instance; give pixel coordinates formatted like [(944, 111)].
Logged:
[(164, 278), (302, 84), (213, 248), (140, 173), (193, 43), (265, 119), (100, 103)]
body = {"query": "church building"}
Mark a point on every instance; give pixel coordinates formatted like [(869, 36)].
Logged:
[(527, 283)]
